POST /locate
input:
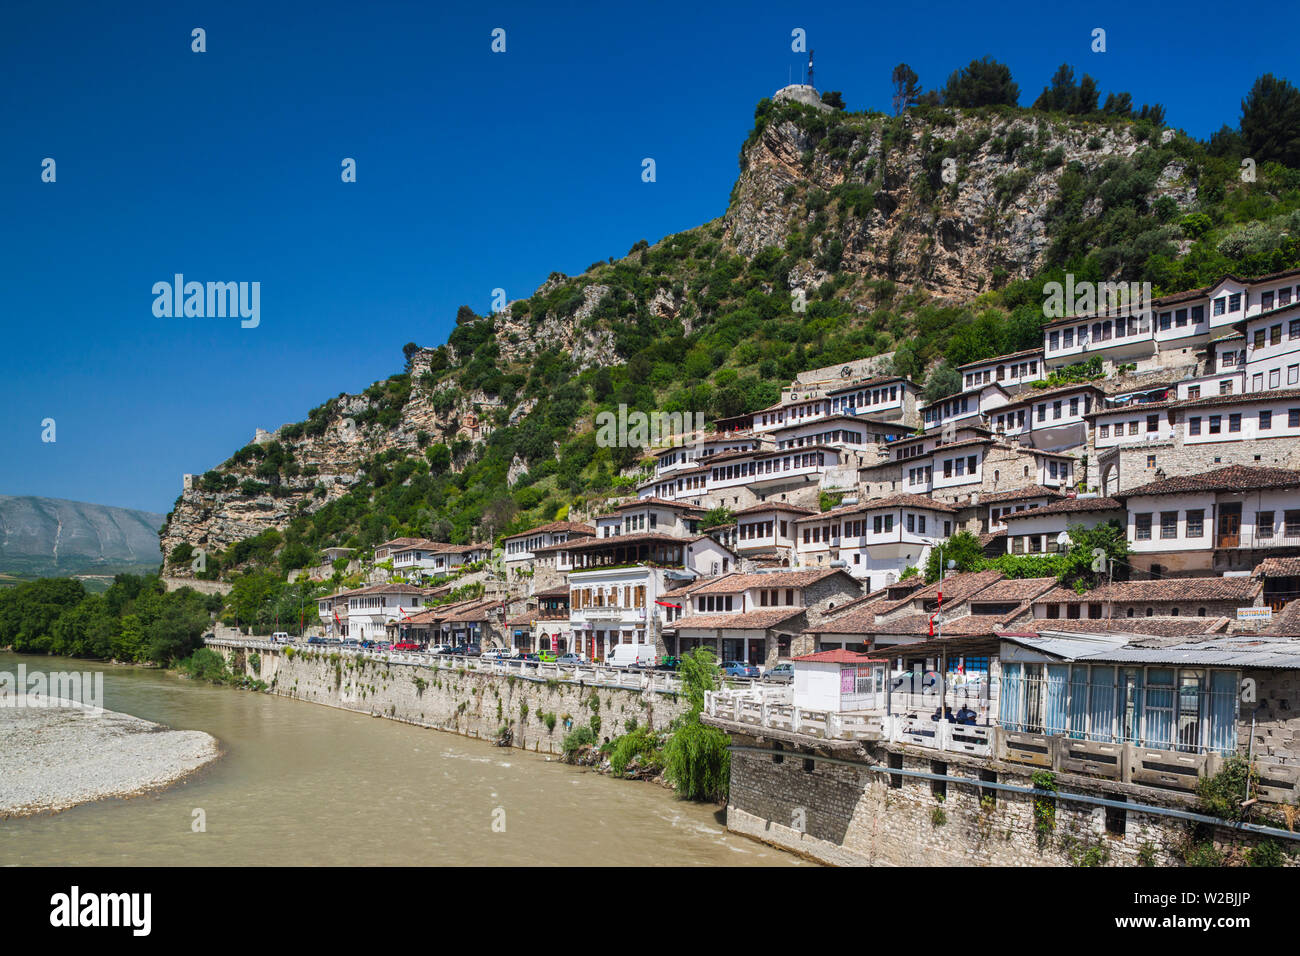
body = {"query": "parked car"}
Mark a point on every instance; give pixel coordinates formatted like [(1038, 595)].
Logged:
[(739, 669), (350, 642), (315, 640), (781, 673), (280, 637), (440, 649), (498, 654), (571, 659), (406, 646), (473, 650), (545, 657), (383, 646)]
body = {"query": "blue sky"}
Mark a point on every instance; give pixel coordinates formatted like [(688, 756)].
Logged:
[(475, 171)]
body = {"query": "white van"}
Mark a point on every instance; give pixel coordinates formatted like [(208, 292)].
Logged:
[(280, 637), (633, 655)]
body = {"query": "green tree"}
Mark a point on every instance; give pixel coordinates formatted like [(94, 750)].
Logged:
[(985, 82), (1270, 122), (963, 549), (696, 759), (907, 88)]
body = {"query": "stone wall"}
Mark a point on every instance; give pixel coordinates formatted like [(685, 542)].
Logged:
[(852, 815), (465, 702)]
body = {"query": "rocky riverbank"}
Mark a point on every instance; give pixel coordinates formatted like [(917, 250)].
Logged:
[(53, 758)]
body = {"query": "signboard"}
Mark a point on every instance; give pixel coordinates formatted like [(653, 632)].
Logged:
[(848, 680), (1258, 615)]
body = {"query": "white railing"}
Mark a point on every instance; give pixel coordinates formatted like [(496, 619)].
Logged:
[(772, 709), (597, 674)]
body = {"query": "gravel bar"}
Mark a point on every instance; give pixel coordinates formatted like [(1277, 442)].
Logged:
[(52, 758)]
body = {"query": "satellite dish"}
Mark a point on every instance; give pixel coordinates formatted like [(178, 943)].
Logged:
[(1063, 539)]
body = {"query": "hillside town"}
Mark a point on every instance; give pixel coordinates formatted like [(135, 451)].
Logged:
[(1176, 424)]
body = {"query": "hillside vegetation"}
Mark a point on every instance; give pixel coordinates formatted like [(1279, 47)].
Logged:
[(855, 211)]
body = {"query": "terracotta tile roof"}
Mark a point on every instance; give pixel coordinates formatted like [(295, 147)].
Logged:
[(561, 591), (868, 383), (956, 587), (1243, 589), (685, 589), (840, 656), (1019, 494), (658, 502), (761, 619), (1278, 568), (572, 526), (1243, 398), (388, 589), (615, 540), (1024, 353), (1068, 506), (763, 506), (1286, 623), (733, 583), (893, 501), (1013, 589), (1231, 478), (1156, 626), (1038, 394)]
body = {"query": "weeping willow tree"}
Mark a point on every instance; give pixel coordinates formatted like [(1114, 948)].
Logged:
[(696, 759)]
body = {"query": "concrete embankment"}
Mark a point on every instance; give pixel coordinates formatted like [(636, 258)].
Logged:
[(52, 758), (538, 711)]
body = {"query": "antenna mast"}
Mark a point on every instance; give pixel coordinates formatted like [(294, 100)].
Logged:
[(810, 67)]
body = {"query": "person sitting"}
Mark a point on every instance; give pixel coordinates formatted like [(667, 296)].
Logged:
[(966, 715)]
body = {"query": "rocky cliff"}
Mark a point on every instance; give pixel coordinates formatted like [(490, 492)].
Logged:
[(938, 206)]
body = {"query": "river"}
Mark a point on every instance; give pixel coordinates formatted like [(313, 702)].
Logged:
[(307, 785)]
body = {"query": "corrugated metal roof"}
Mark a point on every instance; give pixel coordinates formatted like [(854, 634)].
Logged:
[(1233, 651)]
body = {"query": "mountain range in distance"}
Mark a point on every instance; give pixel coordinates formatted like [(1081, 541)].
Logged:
[(54, 537)]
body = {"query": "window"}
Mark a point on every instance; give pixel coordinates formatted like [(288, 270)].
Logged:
[(1216, 424), (1151, 461), (1198, 313), (1142, 527), (1067, 338), (1194, 391), (1056, 410), (1105, 431), (1219, 304), (1265, 420), (1292, 374), (1264, 524), (1275, 334), (1225, 387), (1153, 423), (1260, 335), (1234, 302), (1274, 378), (1293, 329), (1265, 301), (1169, 524), (1196, 523), (1181, 318), (1293, 417), (1234, 422), (1194, 425), (1257, 382), (1132, 428), (1292, 519), (1166, 320)]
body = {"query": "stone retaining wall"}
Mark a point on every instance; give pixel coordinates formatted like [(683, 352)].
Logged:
[(466, 702)]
